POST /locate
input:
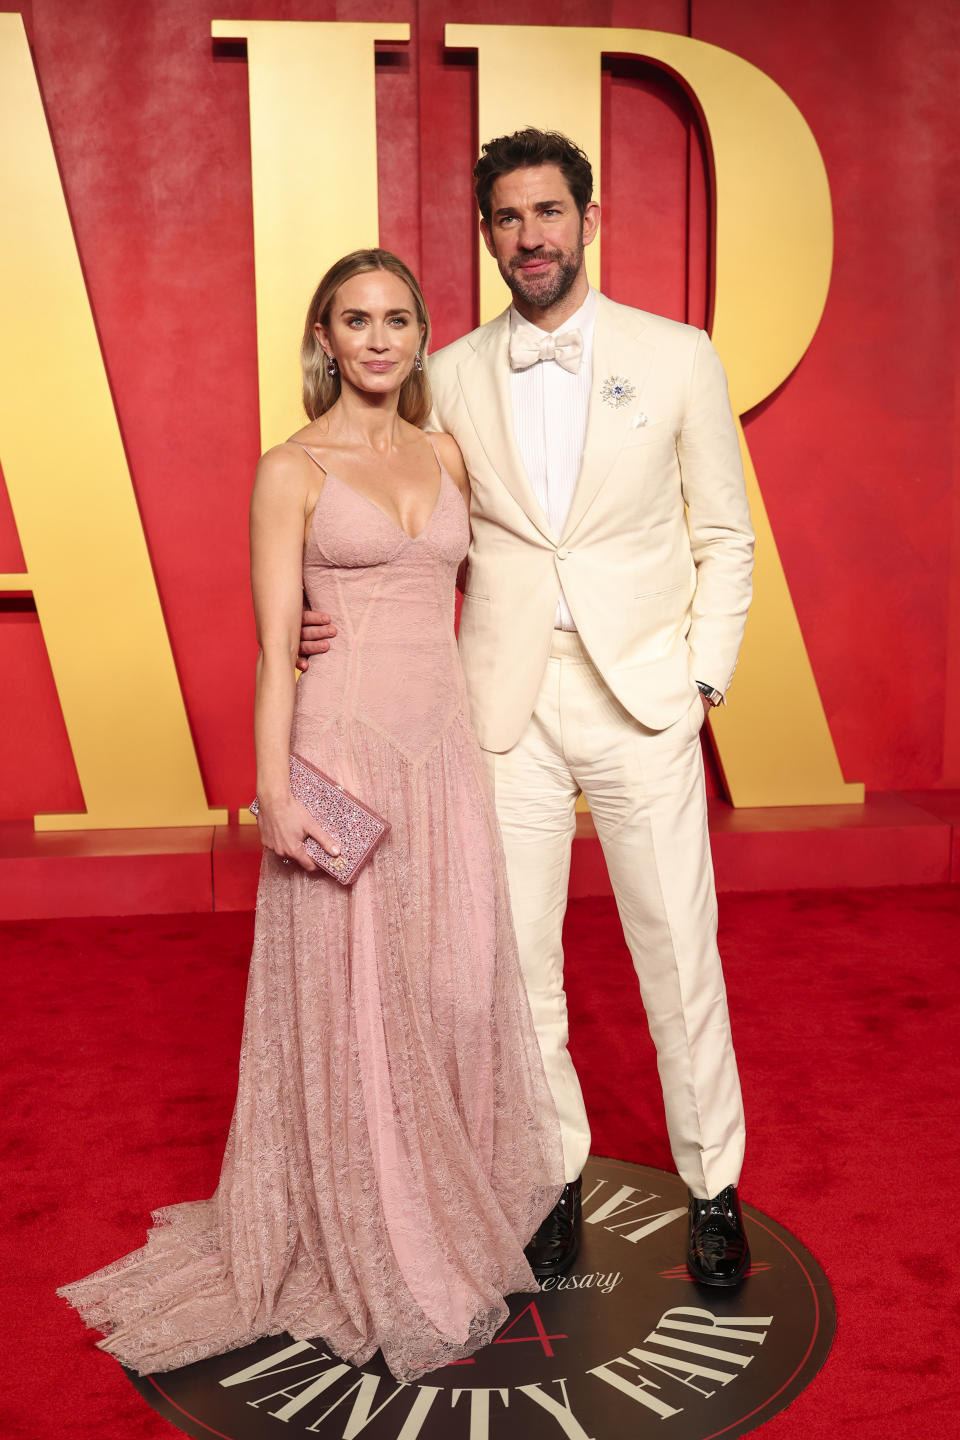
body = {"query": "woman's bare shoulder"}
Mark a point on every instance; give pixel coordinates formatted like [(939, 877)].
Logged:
[(285, 472)]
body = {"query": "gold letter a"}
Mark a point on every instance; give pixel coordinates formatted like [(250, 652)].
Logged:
[(77, 517)]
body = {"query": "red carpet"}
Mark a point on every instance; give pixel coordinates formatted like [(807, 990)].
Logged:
[(118, 1082)]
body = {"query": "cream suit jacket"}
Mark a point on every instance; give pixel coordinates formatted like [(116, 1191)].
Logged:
[(656, 554)]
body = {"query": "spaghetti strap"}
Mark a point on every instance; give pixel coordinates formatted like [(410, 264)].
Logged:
[(437, 455), (308, 452)]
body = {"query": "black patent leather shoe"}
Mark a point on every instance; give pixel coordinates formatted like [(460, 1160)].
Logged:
[(553, 1248), (717, 1251)]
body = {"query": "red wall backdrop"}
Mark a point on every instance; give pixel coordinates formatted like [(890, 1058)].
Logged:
[(856, 452)]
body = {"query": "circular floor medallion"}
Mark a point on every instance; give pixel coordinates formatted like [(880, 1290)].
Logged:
[(626, 1344)]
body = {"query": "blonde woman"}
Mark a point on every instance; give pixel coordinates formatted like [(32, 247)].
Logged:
[(385, 1165)]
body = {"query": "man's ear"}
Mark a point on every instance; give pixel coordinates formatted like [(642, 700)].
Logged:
[(591, 222), (487, 240)]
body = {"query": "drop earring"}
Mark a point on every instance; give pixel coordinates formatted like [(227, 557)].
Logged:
[(417, 362), (331, 366)]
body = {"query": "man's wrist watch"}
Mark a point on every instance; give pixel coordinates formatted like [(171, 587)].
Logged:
[(709, 693)]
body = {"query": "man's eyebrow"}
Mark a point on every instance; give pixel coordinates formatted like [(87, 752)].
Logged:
[(539, 205)]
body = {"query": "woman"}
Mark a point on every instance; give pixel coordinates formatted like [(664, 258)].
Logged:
[(384, 1166)]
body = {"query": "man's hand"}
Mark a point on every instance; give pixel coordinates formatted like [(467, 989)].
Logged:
[(316, 632)]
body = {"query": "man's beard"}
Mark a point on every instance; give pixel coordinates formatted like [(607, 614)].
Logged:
[(544, 290)]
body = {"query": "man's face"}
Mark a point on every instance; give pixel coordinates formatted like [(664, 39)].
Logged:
[(536, 235)]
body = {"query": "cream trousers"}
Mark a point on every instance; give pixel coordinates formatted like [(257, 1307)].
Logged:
[(645, 789)]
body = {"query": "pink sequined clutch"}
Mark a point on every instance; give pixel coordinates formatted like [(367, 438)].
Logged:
[(357, 828)]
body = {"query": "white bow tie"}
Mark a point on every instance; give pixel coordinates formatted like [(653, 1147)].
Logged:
[(526, 349)]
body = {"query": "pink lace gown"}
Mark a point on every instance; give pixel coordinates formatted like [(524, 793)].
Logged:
[(387, 1158)]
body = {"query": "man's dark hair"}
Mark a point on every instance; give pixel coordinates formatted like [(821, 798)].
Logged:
[(524, 149)]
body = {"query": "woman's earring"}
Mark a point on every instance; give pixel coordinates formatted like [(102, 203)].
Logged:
[(331, 366), (417, 362)]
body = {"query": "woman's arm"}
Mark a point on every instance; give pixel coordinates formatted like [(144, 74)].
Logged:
[(277, 514)]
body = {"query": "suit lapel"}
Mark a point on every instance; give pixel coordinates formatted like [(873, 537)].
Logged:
[(619, 352), (485, 385)]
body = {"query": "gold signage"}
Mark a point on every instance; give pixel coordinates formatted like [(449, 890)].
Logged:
[(88, 566), (315, 197)]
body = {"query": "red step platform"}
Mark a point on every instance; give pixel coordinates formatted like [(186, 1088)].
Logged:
[(893, 839)]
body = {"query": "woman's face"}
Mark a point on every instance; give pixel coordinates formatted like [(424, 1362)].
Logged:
[(373, 332)]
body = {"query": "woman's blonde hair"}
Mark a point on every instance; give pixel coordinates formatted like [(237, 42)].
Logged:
[(320, 390)]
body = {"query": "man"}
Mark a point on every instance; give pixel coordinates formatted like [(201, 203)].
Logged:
[(607, 587)]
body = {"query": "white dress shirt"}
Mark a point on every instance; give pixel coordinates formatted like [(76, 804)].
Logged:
[(550, 422)]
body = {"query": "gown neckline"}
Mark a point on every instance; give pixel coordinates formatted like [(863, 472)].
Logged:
[(332, 474)]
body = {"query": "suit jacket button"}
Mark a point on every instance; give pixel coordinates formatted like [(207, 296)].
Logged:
[(562, 554)]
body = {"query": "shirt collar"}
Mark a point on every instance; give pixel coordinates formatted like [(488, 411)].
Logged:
[(582, 320)]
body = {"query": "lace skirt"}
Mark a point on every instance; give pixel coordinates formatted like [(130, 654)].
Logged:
[(394, 1143)]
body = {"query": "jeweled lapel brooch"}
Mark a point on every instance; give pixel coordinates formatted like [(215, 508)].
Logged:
[(617, 392)]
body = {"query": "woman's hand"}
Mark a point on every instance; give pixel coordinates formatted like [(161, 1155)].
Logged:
[(285, 824)]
